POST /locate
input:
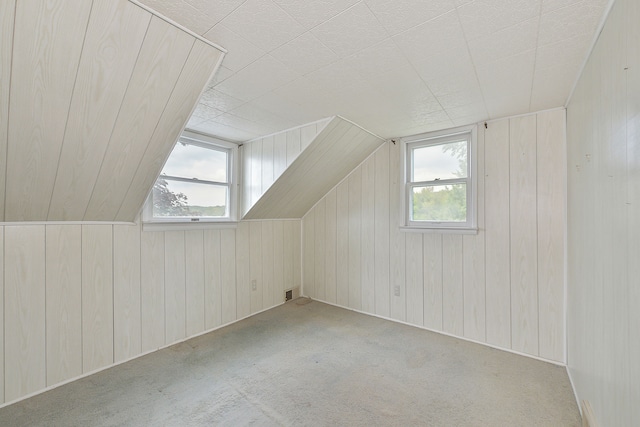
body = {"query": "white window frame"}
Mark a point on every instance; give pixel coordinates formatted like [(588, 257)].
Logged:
[(438, 138), (207, 141)]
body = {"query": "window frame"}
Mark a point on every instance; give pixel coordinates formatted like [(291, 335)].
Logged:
[(209, 142), (440, 138)]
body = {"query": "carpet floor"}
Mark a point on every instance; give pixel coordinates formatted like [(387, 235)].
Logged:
[(312, 364)]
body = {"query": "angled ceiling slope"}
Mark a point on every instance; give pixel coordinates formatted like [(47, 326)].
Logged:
[(94, 95), (337, 149)]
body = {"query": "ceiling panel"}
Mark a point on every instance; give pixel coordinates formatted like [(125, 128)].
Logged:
[(428, 64)]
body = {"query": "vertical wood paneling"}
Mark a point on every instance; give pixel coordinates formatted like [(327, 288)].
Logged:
[(381, 231), (256, 170), (212, 279), (7, 15), (2, 341), (368, 236), (524, 252), (342, 247), (152, 316), (474, 261), (111, 46), (551, 174), (63, 302), (228, 273), (157, 69), (279, 154), (255, 262), (297, 252), (174, 117), (497, 244), (330, 258), (267, 264), (288, 261), (319, 251), (243, 273), (452, 285), (293, 145), (126, 292), (355, 244), (414, 278), (278, 262), (174, 285), (44, 71), (396, 237), (194, 281), (245, 188), (307, 133), (97, 297), (308, 257), (267, 163), (24, 293), (432, 252)]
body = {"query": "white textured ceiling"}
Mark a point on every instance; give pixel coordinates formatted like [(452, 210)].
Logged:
[(395, 67)]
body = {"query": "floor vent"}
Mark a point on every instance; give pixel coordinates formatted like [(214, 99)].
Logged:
[(288, 295)]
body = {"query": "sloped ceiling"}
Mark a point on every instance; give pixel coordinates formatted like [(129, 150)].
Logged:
[(396, 67), (330, 157), (94, 95)]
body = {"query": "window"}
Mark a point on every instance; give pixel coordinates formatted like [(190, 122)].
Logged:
[(196, 183), (440, 190)]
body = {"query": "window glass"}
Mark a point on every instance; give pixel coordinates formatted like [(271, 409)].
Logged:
[(189, 199), (194, 161), (438, 162), (439, 203)]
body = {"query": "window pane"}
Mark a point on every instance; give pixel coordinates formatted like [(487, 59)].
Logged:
[(192, 161), (175, 198), (444, 161), (447, 203)]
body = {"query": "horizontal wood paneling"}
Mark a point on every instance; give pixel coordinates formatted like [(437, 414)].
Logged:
[(446, 282), (81, 297)]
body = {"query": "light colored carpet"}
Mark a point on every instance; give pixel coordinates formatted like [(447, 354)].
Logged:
[(312, 364)]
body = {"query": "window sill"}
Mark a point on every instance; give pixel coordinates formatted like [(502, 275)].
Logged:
[(439, 230), (187, 225)]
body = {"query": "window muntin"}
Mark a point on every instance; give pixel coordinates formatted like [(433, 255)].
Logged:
[(439, 188), (195, 183)]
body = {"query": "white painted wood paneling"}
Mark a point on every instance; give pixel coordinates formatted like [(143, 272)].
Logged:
[(174, 286), (194, 281), (432, 269), (551, 175), (212, 279), (228, 275), (197, 70), (473, 252), (256, 170), (293, 145), (342, 243), (127, 322), (2, 342), (330, 249), (97, 297), (267, 163), (279, 154), (111, 46), (45, 71), (381, 231), (288, 261), (243, 272), (152, 290), (268, 290), (497, 243), (524, 252), (319, 270), (24, 315), (414, 279), (156, 71), (255, 266), (308, 268), (296, 242), (7, 14), (355, 244), (397, 289), (452, 285), (368, 236), (63, 302), (278, 262)]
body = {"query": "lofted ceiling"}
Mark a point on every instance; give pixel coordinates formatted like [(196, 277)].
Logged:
[(395, 67)]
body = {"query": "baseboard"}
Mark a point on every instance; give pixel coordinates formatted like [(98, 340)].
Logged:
[(588, 417)]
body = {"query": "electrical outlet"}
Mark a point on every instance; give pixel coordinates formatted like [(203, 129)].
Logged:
[(254, 285), (396, 290)]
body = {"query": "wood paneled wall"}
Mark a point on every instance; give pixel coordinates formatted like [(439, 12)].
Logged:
[(93, 96), (603, 137), (265, 159), (503, 286), (76, 298)]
